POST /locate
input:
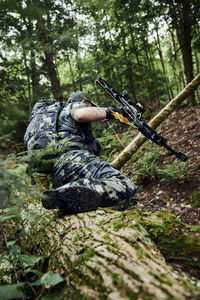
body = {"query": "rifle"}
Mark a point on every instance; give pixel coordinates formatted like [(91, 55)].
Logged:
[(135, 112)]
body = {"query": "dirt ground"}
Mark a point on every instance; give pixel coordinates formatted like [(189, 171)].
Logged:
[(182, 130)]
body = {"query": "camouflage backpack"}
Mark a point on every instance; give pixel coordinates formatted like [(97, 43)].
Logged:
[(42, 129)]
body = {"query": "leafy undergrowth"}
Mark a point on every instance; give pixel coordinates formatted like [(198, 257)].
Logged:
[(23, 274), (163, 182), (176, 188)]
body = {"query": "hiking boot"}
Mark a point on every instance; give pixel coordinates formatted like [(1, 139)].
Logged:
[(73, 199)]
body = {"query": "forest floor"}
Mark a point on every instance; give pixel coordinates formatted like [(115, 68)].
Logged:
[(182, 131)]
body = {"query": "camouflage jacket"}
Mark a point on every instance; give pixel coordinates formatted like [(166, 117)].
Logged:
[(78, 135)]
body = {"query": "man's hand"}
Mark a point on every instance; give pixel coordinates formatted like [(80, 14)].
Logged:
[(114, 108)]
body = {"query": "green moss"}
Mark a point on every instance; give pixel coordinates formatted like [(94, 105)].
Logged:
[(161, 278), (89, 253), (160, 224), (126, 291), (103, 221), (119, 222), (176, 240), (117, 225), (85, 254), (77, 237), (106, 236), (77, 274)]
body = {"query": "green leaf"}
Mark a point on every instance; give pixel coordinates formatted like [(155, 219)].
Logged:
[(49, 279), (34, 271), (4, 218), (11, 291), (11, 243), (15, 250), (29, 260)]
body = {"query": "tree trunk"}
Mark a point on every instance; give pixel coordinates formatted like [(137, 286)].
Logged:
[(34, 77), (33, 72), (126, 154), (177, 59), (28, 82), (183, 21), (170, 93), (128, 65), (198, 71), (139, 63), (105, 254), (79, 70), (51, 68), (49, 56), (154, 97), (71, 72)]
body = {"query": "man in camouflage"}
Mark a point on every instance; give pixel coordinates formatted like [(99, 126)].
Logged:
[(81, 180)]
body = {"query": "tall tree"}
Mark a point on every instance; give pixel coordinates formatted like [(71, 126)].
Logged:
[(44, 30), (170, 93), (175, 51), (180, 12)]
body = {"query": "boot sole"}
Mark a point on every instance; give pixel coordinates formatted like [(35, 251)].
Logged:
[(73, 199)]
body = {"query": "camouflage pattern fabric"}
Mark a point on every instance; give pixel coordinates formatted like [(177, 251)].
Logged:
[(78, 135), (42, 129), (82, 168)]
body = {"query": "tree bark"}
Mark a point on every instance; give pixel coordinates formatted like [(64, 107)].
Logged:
[(170, 93), (182, 82), (105, 254), (49, 55), (126, 154), (154, 97), (181, 14), (55, 83), (28, 82), (79, 70), (32, 73), (71, 72), (128, 64), (139, 63), (198, 71)]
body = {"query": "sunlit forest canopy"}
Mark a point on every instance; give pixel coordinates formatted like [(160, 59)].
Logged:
[(52, 48)]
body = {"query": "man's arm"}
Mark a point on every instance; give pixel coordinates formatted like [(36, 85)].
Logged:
[(90, 114)]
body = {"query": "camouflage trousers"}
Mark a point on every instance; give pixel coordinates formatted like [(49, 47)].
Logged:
[(82, 168)]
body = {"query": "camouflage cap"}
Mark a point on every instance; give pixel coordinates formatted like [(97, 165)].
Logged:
[(78, 96)]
